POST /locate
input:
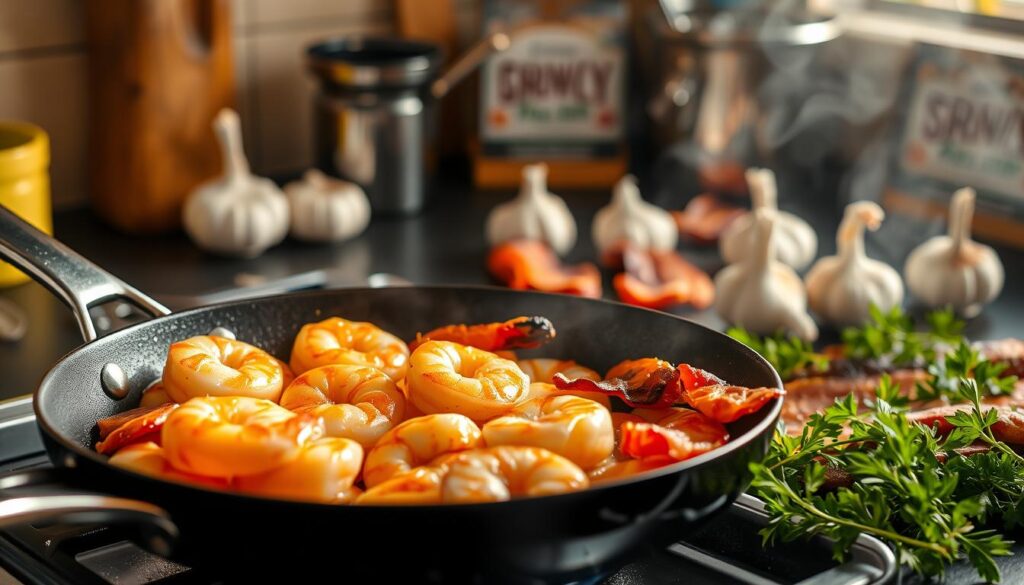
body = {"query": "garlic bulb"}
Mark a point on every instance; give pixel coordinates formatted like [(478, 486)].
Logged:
[(955, 270), (629, 219), (796, 242), (842, 288), (760, 293), (535, 214), (238, 214), (325, 209)]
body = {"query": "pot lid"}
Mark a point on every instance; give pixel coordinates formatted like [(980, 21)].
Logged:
[(374, 62), (710, 24)]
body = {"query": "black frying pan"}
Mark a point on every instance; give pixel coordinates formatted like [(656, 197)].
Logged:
[(551, 538)]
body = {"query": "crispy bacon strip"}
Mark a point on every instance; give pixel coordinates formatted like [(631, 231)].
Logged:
[(133, 426), (679, 435), (532, 265), (692, 377), (517, 333), (705, 217), (725, 403), (718, 399), (647, 382), (1009, 428)]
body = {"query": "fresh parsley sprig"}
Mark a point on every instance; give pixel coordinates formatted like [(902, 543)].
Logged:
[(902, 492), (946, 375), (786, 353), (891, 337)]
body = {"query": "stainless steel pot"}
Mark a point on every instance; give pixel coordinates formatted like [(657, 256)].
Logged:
[(716, 78), (375, 113)]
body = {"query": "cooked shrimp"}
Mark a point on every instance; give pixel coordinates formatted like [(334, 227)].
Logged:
[(339, 341), (449, 377), (544, 370), (207, 365), (150, 459), (323, 471), (232, 436), (139, 425), (155, 395), (677, 433), (355, 402), (417, 486), (612, 468), (518, 333), (573, 427), (543, 389), (417, 442), (501, 473)]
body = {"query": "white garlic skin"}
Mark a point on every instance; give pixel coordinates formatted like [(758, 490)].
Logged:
[(842, 288), (628, 218), (796, 244), (535, 214), (325, 209), (761, 294), (954, 270), (239, 214)]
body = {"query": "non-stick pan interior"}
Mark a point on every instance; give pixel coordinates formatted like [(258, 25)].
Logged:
[(595, 333), (571, 536)]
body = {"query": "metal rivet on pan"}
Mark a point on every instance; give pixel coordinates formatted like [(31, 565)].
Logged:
[(114, 381), (69, 461), (223, 332)]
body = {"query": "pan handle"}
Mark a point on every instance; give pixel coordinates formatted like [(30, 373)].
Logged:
[(75, 280), (156, 531)]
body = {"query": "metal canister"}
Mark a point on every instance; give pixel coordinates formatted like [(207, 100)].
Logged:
[(24, 181), (375, 124), (723, 80)]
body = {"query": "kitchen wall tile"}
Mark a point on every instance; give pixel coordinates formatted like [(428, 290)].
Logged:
[(42, 55), (240, 14), (275, 13), (35, 24), (281, 91), (244, 96), (52, 94)]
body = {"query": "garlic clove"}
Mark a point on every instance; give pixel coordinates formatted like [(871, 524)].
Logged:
[(629, 220), (324, 209), (954, 270), (535, 214), (760, 293), (842, 288), (238, 214), (796, 242)]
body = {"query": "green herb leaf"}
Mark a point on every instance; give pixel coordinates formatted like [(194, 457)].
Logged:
[(903, 493), (787, 354)]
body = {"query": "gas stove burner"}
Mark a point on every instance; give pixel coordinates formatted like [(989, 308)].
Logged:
[(727, 550)]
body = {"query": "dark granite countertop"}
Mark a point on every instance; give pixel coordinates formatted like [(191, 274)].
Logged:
[(444, 244)]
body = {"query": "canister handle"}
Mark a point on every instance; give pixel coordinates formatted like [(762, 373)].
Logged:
[(469, 61), (75, 280)]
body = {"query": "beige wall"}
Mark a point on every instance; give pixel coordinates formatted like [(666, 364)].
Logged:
[(43, 76)]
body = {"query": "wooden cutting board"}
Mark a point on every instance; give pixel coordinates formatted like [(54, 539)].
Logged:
[(159, 70)]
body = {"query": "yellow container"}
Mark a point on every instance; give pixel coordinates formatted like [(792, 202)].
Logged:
[(24, 182)]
